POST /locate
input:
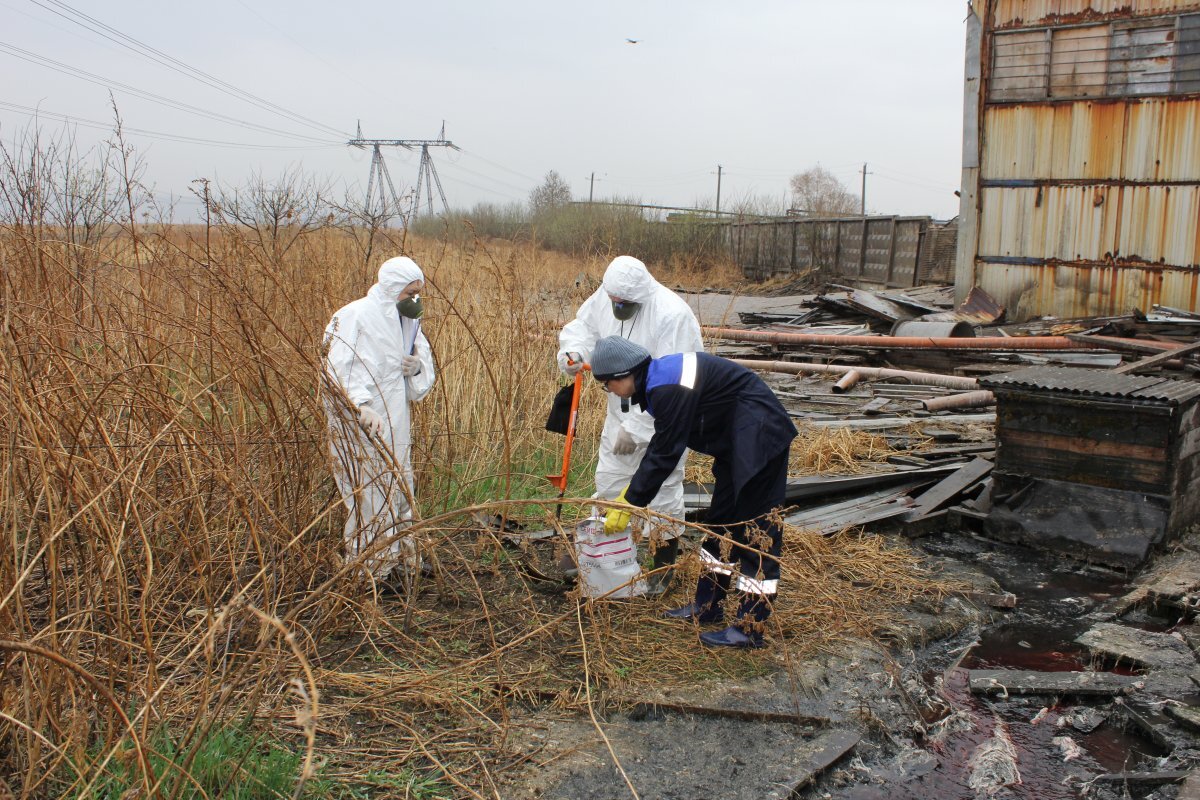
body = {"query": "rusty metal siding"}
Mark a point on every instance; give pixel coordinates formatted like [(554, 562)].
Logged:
[(1090, 204), (1149, 139), (1081, 290), (1132, 225), (1020, 13)]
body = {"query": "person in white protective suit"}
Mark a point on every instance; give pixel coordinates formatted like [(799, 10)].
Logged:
[(378, 355), (632, 304)]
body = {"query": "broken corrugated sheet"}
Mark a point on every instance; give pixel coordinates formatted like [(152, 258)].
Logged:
[(978, 309), (1096, 382)]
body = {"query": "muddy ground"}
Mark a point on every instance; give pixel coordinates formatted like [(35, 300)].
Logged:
[(881, 722)]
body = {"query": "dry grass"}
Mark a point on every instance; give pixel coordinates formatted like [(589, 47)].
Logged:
[(821, 451), (171, 545)]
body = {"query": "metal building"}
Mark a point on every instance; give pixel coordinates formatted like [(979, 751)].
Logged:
[(1081, 156)]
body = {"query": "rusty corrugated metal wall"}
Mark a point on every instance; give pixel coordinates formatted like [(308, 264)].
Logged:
[(1081, 162)]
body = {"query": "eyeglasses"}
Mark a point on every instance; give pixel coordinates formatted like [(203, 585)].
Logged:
[(605, 381)]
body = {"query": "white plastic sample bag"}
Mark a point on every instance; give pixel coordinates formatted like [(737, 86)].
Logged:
[(607, 561)]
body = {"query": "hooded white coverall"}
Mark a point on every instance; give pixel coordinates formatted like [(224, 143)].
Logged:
[(367, 340), (664, 324)]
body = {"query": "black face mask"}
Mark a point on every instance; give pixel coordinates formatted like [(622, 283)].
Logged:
[(412, 308), (625, 311)]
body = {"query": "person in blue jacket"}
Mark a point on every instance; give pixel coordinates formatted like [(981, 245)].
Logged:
[(721, 409)]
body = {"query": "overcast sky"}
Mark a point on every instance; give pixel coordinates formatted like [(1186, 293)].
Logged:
[(764, 89)]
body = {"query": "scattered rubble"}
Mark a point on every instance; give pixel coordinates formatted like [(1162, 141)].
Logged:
[(1122, 667)]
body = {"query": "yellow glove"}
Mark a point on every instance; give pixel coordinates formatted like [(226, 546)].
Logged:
[(617, 519)]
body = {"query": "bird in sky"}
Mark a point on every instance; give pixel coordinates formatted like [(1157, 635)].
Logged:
[(633, 41)]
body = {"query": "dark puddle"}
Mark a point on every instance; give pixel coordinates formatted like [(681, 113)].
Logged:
[(1056, 748)]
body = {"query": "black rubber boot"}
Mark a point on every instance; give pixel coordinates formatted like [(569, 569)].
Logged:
[(706, 607), (664, 556)]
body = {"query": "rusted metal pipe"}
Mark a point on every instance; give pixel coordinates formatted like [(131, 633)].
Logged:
[(847, 381), (975, 399), (900, 342), (919, 378)]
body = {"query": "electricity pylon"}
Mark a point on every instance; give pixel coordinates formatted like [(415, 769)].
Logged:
[(427, 176)]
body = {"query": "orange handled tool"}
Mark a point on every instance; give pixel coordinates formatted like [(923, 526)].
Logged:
[(559, 480)]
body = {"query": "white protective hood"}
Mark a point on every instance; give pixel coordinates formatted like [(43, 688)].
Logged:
[(664, 324)]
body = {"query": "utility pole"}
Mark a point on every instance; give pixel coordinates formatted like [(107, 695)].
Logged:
[(591, 187), (427, 176), (718, 209), (863, 199)]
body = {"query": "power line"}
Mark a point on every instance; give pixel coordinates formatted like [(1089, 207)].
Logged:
[(459, 166), (494, 164), (90, 77), (927, 186), (89, 123), (298, 43), (158, 56)]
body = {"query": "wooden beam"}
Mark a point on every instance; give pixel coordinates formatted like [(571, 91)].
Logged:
[(948, 488), (1158, 359), (1015, 681)]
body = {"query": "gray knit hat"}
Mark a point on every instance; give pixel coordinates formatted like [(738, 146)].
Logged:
[(616, 357)]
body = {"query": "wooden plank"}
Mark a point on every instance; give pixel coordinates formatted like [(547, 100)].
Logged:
[(1187, 717), (1154, 726), (1089, 448), (1114, 343), (948, 488), (901, 422), (650, 708), (1078, 684), (829, 519), (874, 406), (1143, 778), (1158, 359), (956, 450), (828, 749)]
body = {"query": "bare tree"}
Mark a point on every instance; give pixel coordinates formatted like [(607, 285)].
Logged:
[(818, 193), (551, 194), (366, 224), (275, 217)]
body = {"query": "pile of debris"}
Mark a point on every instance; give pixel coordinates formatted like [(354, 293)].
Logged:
[(925, 374)]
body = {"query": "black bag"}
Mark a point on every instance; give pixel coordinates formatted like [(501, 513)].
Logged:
[(560, 410)]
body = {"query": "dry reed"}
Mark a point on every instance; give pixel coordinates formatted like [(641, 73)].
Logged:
[(171, 557)]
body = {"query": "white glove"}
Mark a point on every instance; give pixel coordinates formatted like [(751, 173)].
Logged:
[(409, 366), (571, 363), (624, 444), (369, 418)]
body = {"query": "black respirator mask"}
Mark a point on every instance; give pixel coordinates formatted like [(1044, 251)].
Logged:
[(625, 310), (411, 308)]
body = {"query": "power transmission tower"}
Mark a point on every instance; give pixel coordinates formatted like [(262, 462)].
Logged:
[(427, 176)]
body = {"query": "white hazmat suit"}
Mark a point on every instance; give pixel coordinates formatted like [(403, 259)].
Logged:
[(367, 342), (663, 324)]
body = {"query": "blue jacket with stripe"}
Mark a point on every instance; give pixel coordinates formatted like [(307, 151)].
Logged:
[(713, 406)]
